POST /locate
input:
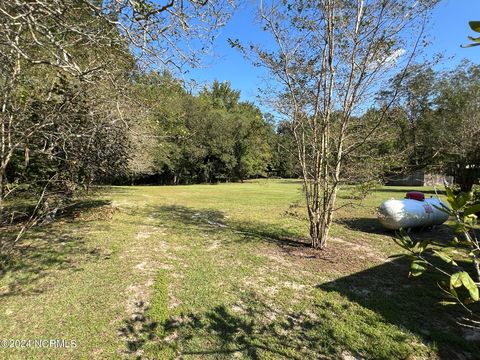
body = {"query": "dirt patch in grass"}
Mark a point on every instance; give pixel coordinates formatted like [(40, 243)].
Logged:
[(214, 245), (341, 256), (137, 294), (173, 301)]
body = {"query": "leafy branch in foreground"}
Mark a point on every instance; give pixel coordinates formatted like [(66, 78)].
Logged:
[(460, 287), (475, 26)]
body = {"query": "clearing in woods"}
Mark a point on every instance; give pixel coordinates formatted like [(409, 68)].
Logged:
[(217, 271)]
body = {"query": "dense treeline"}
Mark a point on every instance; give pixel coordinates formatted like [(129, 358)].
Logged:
[(208, 137), (437, 120), (61, 125), (155, 131), (161, 134), (77, 108), (80, 106), (72, 74)]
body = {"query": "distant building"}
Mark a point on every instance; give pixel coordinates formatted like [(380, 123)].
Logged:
[(418, 178)]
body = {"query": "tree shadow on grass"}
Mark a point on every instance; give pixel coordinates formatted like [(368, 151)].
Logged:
[(412, 304), (252, 330), (28, 264), (243, 335), (83, 207), (442, 233), (255, 329), (43, 249), (17, 212), (138, 329), (368, 225), (214, 220)]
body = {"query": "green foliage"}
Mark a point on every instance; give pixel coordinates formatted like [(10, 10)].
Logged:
[(458, 118), (187, 139), (424, 254), (413, 93), (437, 121), (285, 155), (417, 268), (75, 138), (462, 278)]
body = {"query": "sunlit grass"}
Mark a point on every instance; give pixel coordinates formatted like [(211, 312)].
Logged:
[(219, 271)]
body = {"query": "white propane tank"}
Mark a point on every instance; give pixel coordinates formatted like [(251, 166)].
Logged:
[(410, 213)]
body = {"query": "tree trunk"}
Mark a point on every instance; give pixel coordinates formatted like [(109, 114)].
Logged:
[(3, 183), (319, 231), (465, 179), (1, 200), (1, 187), (315, 233), (321, 206)]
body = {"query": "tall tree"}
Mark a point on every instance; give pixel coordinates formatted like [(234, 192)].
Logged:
[(221, 95), (415, 93), (252, 149), (71, 38), (457, 117), (328, 58), (285, 162)]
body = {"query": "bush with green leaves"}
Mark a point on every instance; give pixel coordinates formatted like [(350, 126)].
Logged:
[(458, 284)]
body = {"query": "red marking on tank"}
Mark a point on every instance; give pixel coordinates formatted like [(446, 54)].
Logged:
[(415, 195)]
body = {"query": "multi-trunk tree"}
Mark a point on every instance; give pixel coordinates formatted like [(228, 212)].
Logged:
[(328, 58)]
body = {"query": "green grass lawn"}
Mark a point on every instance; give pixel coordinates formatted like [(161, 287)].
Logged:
[(217, 272)]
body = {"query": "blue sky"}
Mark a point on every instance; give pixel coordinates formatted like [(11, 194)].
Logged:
[(448, 30)]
